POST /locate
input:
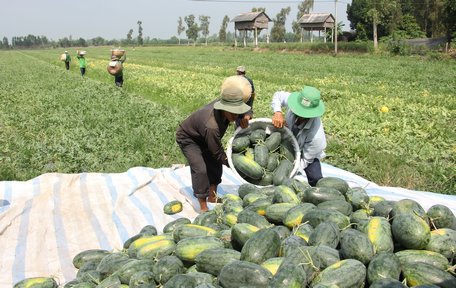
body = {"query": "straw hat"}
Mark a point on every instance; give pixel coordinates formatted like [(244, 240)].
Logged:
[(233, 91), (306, 103)]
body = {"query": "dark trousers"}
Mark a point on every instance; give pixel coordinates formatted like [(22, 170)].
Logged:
[(118, 80), (67, 65), (83, 71), (313, 172), (204, 169)]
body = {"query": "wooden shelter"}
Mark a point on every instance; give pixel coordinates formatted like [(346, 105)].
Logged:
[(251, 21), (317, 22)]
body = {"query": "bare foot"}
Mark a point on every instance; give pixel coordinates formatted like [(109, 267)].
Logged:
[(212, 198), (203, 205)]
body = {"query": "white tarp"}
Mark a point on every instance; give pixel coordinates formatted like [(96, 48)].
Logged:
[(46, 221)]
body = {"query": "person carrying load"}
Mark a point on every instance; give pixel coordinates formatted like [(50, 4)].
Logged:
[(65, 57), (115, 67), (82, 61)]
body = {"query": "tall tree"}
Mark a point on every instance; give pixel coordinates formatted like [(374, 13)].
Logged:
[(5, 42), (373, 16), (278, 30), (204, 26), (129, 36), (378, 12), (303, 8), (222, 32), (140, 34), (192, 28), (450, 19), (180, 28), (436, 16)]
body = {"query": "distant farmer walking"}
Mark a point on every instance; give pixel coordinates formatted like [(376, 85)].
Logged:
[(82, 61), (200, 138), (115, 67), (67, 59), (243, 120)]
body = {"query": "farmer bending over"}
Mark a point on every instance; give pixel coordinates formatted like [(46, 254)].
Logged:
[(304, 109), (200, 138)]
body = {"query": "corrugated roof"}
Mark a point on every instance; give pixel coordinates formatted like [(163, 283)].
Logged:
[(249, 16), (316, 18)]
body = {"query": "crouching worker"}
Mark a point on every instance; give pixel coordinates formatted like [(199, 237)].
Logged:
[(115, 68), (200, 138), (304, 109)]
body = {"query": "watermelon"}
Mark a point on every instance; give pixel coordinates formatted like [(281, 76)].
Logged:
[(441, 217), (326, 233), (356, 245), (441, 242), (213, 260), (187, 249), (345, 274), (172, 207), (239, 274), (410, 231), (142, 279), (384, 265), (424, 273), (334, 182), (38, 282), (378, 230), (166, 268), (263, 245)]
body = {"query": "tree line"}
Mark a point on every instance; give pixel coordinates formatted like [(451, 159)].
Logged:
[(369, 20)]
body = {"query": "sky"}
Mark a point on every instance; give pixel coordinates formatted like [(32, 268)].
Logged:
[(112, 19)]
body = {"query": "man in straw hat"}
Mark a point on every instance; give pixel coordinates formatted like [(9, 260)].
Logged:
[(243, 120), (200, 138), (304, 109)]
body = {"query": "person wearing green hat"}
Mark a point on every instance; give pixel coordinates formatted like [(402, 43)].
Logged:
[(303, 111), (200, 138)]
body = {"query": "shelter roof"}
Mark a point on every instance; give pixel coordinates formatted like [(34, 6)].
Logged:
[(316, 18), (249, 16)]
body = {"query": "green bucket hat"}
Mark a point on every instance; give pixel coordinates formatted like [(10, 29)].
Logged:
[(306, 103), (233, 91)]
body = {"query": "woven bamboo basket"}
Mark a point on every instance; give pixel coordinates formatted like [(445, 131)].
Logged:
[(117, 52), (114, 68)]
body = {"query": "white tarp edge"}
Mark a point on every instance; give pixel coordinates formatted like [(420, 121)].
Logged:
[(46, 221)]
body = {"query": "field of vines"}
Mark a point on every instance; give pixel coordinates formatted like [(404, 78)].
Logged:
[(389, 119)]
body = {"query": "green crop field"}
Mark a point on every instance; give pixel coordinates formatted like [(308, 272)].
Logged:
[(53, 120)]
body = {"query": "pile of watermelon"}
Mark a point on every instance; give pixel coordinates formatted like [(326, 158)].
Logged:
[(289, 235), (263, 155)]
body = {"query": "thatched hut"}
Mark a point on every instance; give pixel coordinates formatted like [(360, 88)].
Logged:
[(251, 21), (317, 22)]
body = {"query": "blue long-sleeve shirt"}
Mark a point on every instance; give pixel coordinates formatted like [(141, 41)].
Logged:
[(310, 135)]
